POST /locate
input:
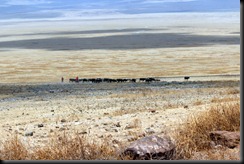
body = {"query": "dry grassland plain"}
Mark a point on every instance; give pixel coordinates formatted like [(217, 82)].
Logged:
[(35, 55), (151, 45)]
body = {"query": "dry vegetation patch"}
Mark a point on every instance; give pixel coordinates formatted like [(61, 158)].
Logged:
[(194, 135)]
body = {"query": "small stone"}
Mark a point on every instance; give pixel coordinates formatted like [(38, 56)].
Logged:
[(29, 134), (61, 129), (115, 141), (63, 120), (40, 125), (149, 131), (118, 124), (84, 132)]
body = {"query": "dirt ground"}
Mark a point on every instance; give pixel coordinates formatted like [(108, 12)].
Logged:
[(34, 57), (121, 111)]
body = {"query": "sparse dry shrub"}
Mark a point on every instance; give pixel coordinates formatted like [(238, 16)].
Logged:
[(225, 99), (67, 147), (198, 102), (13, 149), (233, 91), (136, 123), (75, 148), (222, 153), (194, 135)]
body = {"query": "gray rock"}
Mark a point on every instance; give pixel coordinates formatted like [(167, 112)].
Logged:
[(151, 148), (29, 134), (118, 124), (149, 131), (40, 125), (63, 120), (225, 138)]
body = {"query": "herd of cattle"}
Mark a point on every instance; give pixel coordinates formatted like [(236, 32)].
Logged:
[(109, 80)]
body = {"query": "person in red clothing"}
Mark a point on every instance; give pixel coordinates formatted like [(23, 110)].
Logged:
[(77, 79), (62, 79)]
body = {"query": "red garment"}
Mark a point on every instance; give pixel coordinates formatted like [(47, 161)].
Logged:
[(77, 79)]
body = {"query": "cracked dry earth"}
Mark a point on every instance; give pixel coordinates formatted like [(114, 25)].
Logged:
[(119, 111)]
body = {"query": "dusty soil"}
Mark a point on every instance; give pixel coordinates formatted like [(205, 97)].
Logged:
[(35, 55), (120, 111)]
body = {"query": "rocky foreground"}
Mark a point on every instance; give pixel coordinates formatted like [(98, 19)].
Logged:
[(122, 112)]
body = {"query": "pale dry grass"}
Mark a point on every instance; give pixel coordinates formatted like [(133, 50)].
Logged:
[(13, 149), (222, 153), (233, 91), (194, 135), (224, 99), (198, 102), (65, 147), (192, 140)]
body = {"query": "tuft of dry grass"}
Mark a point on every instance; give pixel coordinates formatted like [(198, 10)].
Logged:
[(225, 99), (194, 135), (221, 153), (198, 102), (76, 148), (13, 149), (233, 91), (66, 147)]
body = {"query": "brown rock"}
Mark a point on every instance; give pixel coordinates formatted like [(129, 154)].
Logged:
[(63, 120), (225, 138), (151, 148), (152, 110)]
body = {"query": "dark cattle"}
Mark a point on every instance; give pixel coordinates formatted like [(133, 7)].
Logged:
[(133, 80), (186, 77), (113, 80), (91, 80), (98, 80), (119, 80), (142, 79), (72, 80), (107, 80), (122, 80), (150, 79)]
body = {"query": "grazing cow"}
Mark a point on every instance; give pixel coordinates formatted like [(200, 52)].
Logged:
[(72, 80), (150, 79), (186, 77), (142, 79), (85, 80), (98, 80)]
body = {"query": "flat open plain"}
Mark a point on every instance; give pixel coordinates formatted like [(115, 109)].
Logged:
[(35, 55)]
